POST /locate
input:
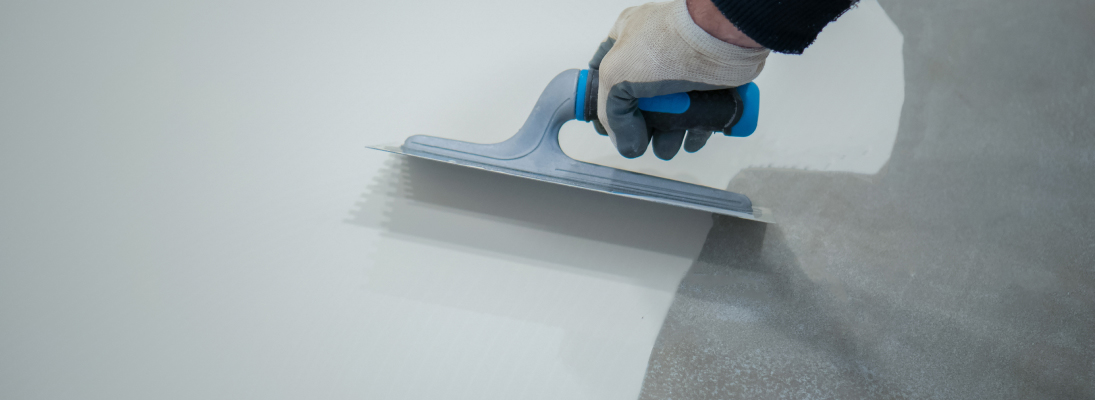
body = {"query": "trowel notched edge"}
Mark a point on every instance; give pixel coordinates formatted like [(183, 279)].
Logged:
[(534, 153)]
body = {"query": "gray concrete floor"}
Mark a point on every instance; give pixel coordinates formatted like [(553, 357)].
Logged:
[(965, 269)]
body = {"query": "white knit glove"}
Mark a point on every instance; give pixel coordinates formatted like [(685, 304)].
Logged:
[(656, 49)]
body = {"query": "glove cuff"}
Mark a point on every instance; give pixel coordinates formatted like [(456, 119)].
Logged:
[(711, 46), (786, 26)]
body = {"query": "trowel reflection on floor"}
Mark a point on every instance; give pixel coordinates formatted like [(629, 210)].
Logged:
[(534, 151)]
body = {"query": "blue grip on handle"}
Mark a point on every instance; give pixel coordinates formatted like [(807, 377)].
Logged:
[(676, 103)]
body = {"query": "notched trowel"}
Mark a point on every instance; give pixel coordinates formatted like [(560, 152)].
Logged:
[(534, 151)]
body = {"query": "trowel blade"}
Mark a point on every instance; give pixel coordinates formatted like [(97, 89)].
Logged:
[(600, 184)]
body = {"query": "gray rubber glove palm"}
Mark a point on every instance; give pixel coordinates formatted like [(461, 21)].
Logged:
[(656, 49)]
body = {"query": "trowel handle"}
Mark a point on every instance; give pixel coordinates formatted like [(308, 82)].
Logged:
[(731, 111)]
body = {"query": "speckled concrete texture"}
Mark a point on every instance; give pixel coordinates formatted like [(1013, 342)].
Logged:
[(964, 270)]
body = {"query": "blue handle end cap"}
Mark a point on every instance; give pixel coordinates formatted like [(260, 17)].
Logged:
[(750, 97), (580, 96)]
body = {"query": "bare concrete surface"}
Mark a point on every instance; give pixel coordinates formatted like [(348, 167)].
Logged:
[(964, 269)]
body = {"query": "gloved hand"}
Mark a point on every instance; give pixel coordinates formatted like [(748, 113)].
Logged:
[(656, 49)]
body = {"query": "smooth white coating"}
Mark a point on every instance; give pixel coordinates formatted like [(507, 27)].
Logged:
[(190, 211)]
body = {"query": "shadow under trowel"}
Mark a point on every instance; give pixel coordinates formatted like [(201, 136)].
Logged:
[(458, 206)]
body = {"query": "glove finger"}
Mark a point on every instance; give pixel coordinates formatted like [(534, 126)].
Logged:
[(603, 49), (599, 128), (631, 143), (695, 140), (624, 122), (631, 138), (667, 144)]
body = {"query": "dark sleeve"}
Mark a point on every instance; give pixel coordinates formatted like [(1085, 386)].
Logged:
[(786, 26)]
